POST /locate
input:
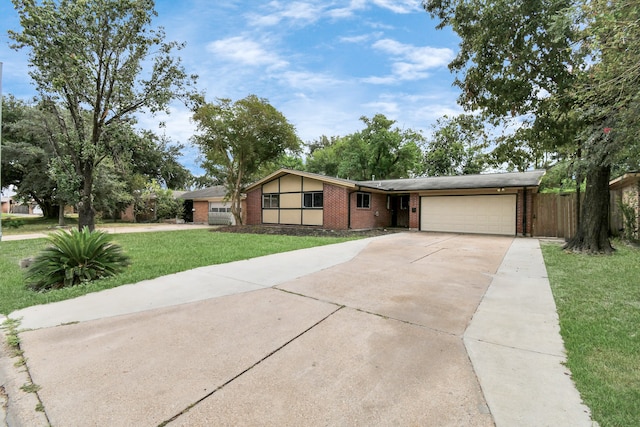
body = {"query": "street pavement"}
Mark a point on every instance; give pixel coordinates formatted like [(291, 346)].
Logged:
[(406, 329)]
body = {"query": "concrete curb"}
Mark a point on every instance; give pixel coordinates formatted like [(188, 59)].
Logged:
[(17, 407), (515, 347)]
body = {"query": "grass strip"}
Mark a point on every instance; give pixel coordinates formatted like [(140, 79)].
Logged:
[(152, 255), (598, 301)]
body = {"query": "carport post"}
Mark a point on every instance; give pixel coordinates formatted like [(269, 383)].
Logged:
[(524, 211)]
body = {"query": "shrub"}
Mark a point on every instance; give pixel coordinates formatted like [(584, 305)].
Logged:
[(630, 221), (13, 223), (74, 258)]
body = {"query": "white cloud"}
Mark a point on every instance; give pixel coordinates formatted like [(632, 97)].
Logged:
[(395, 6), (398, 6), (374, 80), (245, 51), (386, 108), (347, 12), (410, 62), (296, 12), (361, 38), (303, 12), (307, 80)]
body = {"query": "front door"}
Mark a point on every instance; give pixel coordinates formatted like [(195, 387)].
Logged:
[(187, 213), (400, 211)]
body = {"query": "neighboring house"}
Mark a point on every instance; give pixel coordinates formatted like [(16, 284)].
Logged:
[(209, 206), (626, 190), (150, 213), (11, 206), (489, 203)]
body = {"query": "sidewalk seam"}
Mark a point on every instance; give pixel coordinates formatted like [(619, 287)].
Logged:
[(383, 316), (229, 381), (560, 356)]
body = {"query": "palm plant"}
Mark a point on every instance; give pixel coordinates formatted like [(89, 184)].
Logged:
[(74, 258)]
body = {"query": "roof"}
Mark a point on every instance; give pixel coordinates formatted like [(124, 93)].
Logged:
[(625, 180), (324, 178), (460, 182), (205, 193)]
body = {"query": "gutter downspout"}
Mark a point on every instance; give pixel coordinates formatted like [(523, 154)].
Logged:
[(524, 211), (349, 210), (349, 207)]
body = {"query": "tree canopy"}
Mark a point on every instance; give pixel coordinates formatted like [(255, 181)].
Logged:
[(457, 146), (31, 166), (26, 155), (237, 138), (95, 64), (378, 151), (567, 70)]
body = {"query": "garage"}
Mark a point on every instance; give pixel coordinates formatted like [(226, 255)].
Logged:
[(485, 214)]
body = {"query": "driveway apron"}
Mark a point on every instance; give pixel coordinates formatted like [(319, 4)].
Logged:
[(376, 340)]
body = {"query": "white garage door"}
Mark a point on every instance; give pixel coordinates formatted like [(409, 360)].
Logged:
[(220, 214), (469, 214)]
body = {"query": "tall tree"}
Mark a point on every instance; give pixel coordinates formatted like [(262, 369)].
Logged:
[(27, 154), (457, 147), (87, 60), (609, 100), (531, 63), (236, 138), (325, 155), (379, 151)]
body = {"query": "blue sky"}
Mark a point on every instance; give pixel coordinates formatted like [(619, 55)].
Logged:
[(323, 64)]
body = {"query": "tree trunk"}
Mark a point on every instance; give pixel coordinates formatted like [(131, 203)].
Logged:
[(578, 189), (236, 206), (61, 222), (86, 214), (49, 210), (593, 230)]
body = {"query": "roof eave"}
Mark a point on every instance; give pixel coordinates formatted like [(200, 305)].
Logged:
[(318, 177)]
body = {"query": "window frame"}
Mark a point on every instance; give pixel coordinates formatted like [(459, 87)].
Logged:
[(271, 197), (360, 200), (313, 195)]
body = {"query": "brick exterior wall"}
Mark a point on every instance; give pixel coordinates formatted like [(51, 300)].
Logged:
[(335, 207), (252, 214), (520, 210), (201, 213), (375, 217), (414, 217)]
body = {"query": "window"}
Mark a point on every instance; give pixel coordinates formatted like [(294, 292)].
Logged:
[(312, 200), (363, 200), (213, 207), (404, 203), (270, 201)]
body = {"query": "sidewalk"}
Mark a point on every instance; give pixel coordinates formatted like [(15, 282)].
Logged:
[(516, 349), (140, 228)]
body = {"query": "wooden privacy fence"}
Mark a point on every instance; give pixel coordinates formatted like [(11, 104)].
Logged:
[(554, 215)]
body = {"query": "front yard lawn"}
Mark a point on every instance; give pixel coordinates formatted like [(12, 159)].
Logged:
[(152, 255), (598, 301)]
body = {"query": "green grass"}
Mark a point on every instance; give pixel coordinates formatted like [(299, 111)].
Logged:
[(152, 255), (598, 301)]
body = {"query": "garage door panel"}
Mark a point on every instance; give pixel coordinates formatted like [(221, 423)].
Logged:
[(491, 214)]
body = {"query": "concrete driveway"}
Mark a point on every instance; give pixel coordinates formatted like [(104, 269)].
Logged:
[(376, 340)]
